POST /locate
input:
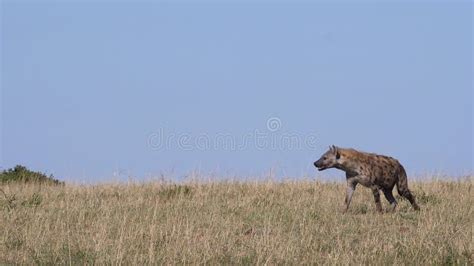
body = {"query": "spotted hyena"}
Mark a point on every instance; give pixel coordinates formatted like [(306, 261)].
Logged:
[(374, 171)]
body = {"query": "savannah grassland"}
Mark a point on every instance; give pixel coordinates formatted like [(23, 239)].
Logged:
[(264, 222)]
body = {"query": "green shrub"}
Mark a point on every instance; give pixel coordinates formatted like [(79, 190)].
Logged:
[(22, 174)]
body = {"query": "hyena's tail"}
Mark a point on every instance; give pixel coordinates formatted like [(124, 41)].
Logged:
[(402, 188)]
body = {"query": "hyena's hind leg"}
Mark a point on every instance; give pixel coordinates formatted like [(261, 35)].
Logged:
[(378, 204), (402, 187), (390, 198)]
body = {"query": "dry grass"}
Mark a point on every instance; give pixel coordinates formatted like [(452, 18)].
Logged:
[(248, 222)]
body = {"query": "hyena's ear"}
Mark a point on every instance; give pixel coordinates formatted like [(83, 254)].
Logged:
[(335, 150)]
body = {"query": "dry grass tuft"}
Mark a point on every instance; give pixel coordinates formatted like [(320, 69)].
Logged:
[(231, 222)]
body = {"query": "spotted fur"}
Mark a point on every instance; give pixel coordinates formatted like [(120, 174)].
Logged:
[(377, 172)]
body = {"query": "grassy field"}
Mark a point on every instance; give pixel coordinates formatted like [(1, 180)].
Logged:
[(230, 222)]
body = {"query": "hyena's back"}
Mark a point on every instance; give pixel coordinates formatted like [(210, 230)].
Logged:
[(381, 170), (385, 172)]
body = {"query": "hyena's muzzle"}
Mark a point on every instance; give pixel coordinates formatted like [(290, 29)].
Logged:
[(322, 164)]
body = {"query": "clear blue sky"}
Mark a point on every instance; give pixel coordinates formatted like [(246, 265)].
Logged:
[(88, 86)]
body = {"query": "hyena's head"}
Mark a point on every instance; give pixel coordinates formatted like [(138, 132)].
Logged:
[(329, 159)]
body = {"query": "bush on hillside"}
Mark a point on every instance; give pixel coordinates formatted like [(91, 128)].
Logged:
[(22, 174)]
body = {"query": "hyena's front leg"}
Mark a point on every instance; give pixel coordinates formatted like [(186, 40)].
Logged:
[(351, 185), (378, 204)]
